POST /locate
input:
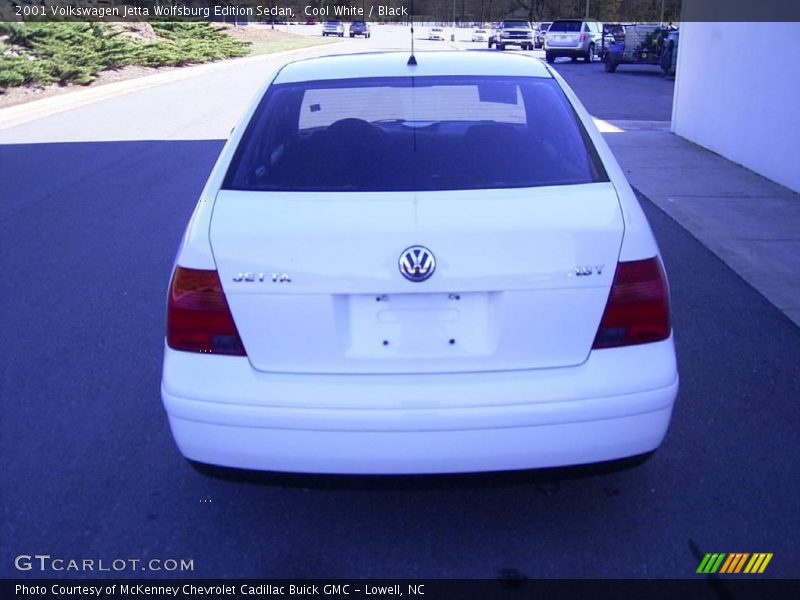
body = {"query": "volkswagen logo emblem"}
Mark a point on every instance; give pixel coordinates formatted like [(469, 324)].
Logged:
[(417, 263)]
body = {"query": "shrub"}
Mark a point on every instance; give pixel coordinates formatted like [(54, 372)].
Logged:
[(77, 52)]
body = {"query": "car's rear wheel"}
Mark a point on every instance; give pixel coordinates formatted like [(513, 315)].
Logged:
[(589, 54), (501, 46), (550, 57), (611, 64)]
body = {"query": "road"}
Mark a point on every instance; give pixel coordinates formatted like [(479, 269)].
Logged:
[(94, 203)]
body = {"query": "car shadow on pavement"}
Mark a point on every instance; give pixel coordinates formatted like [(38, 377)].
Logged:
[(545, 479)]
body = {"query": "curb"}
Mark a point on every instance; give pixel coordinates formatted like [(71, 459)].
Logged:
[(45, 107)]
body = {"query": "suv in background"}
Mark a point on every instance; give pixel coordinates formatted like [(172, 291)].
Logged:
[(576, 38), (538, 34), (359, 28), (512, 33), (333, 28)]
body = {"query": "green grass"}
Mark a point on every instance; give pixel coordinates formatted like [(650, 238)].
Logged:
[(76, 52), (284, 41)]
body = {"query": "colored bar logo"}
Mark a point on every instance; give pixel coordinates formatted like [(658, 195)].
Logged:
[(732, 564)]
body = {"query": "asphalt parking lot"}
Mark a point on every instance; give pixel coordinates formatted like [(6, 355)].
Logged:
[(87, 238)]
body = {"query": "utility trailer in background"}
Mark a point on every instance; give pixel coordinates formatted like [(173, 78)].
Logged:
[(640, 44)]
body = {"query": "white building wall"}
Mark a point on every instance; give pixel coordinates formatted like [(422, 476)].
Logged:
[(737, 93)]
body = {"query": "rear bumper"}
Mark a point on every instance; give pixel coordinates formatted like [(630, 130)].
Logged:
[(570, 51), (222, 412)]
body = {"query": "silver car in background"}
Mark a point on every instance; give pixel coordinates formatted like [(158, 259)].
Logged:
[(574, 38), (333, 28)]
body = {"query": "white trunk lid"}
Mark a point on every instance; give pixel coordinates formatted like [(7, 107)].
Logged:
[(504, 295)]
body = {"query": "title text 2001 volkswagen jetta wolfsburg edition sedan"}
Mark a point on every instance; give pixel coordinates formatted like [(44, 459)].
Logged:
[(421, 268)]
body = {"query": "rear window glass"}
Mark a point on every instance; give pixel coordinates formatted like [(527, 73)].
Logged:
[(567, 26), (413, 133)]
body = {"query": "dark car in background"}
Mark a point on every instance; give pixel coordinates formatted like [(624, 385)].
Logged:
[(359, 28)]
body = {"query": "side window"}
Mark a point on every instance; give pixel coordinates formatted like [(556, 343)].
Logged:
[(585, 28)]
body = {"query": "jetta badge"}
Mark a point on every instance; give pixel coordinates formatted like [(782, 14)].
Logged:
[(417, 263)]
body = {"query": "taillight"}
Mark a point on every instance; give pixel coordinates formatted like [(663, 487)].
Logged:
[(198, 317), (637, 311), (583, 37)]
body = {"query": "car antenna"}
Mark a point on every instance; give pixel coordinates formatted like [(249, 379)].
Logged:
[(412, 61)]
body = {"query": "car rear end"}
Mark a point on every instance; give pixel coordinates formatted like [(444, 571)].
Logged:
[(480, 35), (374, 294), (359, 28), (566, 38)]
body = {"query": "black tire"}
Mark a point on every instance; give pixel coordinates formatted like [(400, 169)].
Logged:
[(589, 54), (573, 58), (611, 64), (490, 43), (501, 47), (352, 35), (550, 57)]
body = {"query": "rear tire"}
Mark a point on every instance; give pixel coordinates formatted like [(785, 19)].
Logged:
[(589, 54), (501, 47), (550, 57), (611, 64)]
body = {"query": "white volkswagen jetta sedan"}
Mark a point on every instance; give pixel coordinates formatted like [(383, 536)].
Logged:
[(423, 268)]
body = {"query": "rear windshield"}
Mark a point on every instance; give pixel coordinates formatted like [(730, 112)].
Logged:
[(568, 26), (413, 133)]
